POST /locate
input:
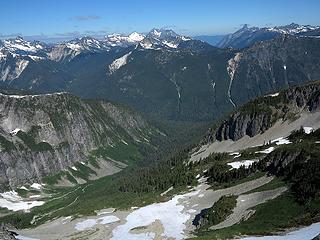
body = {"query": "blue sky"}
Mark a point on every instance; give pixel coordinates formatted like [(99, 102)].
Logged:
[(63, 18)]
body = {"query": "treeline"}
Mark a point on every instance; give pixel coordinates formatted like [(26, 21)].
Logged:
[(298, 164), (220, 173)]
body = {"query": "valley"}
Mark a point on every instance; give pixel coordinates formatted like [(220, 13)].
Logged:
[(158, 135)]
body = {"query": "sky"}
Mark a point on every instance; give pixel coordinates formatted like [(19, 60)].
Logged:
[(51, 19)]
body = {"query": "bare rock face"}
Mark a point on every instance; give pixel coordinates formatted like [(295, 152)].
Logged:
[(259, 115), (43, 134), (6, 234)]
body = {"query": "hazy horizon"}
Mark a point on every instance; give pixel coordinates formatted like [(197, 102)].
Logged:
[(60, 20)]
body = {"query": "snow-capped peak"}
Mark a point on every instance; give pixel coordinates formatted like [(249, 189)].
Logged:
[(135, 37), (19, 44)]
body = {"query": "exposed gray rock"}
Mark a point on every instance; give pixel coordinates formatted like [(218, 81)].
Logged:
[(259, 115), (43, 134)]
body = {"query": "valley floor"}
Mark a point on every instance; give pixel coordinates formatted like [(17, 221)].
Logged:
[(155, 221)]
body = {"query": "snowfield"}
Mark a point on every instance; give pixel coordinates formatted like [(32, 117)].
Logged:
[(12, 201), (89, 223), (168, 213)]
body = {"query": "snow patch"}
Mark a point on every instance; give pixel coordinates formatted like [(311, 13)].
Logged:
[(15, 131), (168, 213), (124, 142), (273, 95), (35, 196), (235, 154), (89, 223), (308, 130), (118, 63), (170, 44), (281, 141), (12, 201), (36, 186), (108, 219), (165, 192), (238, 164), (266, 151)]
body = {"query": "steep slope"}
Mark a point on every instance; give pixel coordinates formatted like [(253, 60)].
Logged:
[(43, 134), (191, 80), (264, 119), (258, 190), (272, 65)]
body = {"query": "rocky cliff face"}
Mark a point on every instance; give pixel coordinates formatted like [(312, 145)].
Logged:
[(43, 134), (260, 114), (273, 65)]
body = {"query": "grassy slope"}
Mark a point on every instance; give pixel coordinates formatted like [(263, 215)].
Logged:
[(273, 216)]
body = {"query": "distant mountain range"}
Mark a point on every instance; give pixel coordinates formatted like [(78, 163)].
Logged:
[(162, 73), (247, 36), (212, 40)]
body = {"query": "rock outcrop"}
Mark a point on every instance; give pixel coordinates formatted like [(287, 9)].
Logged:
[(43, 134), (260, 114)]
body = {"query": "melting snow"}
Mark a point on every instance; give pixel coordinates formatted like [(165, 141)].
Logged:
[(108, 219), (15, 131), (168, 213), (35, 196), (74, 168), (281, 141), (238, 164), (273, 95), (86, 224), (36, 186), (106, 212), (307, 130), (192, 210), (266, 151), (12, 201), (89, 223), (235, 154)]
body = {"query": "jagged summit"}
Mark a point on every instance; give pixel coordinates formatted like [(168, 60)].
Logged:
[(246, 36)]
